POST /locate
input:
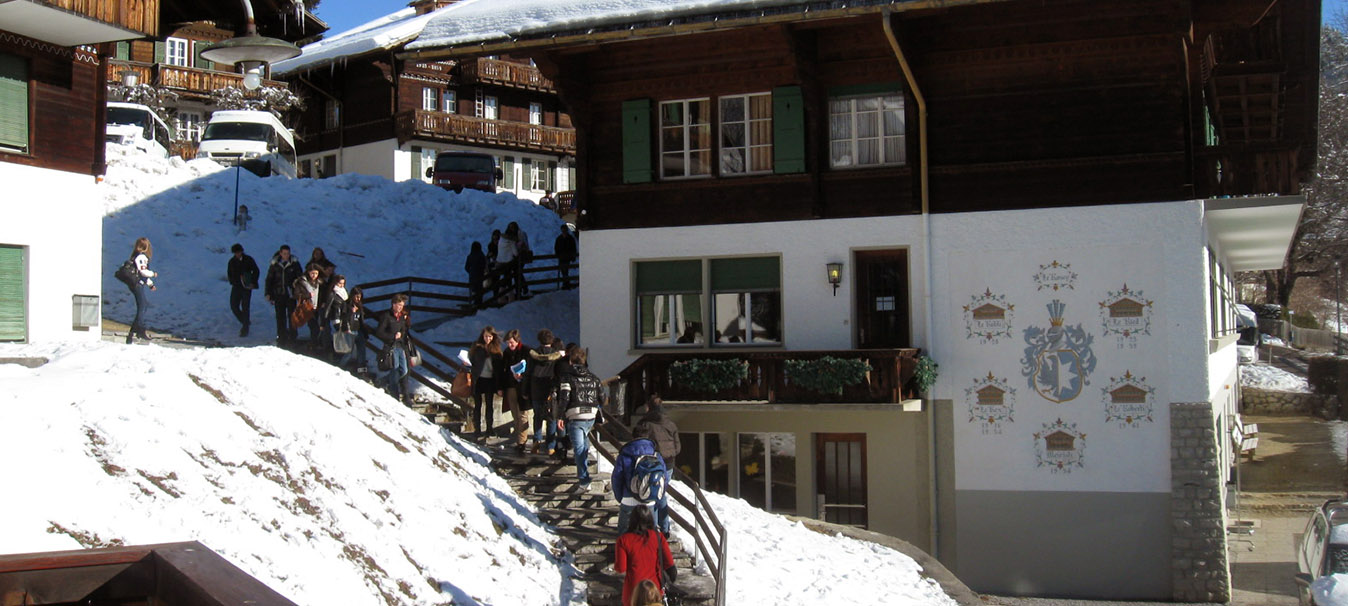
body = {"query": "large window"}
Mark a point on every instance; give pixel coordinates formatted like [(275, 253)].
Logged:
[(706, 457), (685, 138), (746, 134), (767, 470), (538, 175), (430, 99), (742, 298), (13, 103), (175, 52), (866, 130)]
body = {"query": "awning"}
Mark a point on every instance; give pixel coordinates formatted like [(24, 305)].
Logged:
[(1253, 233)]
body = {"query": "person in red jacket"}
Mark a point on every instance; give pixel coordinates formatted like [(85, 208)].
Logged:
[(642, 553)]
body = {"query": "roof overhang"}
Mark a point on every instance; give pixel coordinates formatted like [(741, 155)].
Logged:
[(58, 26), (1255, 233)]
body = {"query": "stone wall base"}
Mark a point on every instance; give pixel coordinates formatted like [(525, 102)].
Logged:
[(1198, 561)]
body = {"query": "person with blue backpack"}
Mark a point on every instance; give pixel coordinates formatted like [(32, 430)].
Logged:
[(639, 476)]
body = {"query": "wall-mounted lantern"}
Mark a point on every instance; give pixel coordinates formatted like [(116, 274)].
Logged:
[(834, 276)]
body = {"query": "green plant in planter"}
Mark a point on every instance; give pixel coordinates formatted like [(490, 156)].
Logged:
[(924, 376), (827, 375), (708, 375)]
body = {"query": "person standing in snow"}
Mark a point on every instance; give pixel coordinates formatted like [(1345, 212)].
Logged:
[(352, 318), (580, 398), (565, 249), (665, 433), (141, 252), (242, 272), (306, 290), (325, 267), (281, 273), (512, 353), (485, 357), (642, 553), (334, 303), (523, 254), (476, 266), (395, 331), (507, 260)]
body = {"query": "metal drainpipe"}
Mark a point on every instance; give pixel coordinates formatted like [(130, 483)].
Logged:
[(924, 195), (341, 122)]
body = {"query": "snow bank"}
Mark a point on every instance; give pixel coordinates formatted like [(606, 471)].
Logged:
[(1272, 378)]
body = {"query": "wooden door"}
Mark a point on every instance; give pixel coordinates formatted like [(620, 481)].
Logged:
[(882, 299), (840, 478)]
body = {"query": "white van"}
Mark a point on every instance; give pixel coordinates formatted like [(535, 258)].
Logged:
[(254, 139), (136, 125)]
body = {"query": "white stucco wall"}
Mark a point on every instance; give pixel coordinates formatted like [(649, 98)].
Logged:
[(64, 239)]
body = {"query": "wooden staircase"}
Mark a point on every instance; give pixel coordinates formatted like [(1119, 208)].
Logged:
[(586, 522)]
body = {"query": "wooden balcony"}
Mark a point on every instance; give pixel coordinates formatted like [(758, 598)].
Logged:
[(74, 22), (889, 381), (189, 82), (1247, 170), (455, 128), (504, 73)]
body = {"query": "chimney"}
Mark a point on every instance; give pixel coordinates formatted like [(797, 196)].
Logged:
[(426, 6)]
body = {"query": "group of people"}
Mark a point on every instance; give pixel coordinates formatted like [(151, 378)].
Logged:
[(500, 269)]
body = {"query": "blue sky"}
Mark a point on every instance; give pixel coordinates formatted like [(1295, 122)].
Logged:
[(342, 15)]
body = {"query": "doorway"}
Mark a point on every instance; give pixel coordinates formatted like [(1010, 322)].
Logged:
[(882, 299), (840, 482)]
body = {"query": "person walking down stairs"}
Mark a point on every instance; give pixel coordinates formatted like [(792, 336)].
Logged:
[(580, 397)]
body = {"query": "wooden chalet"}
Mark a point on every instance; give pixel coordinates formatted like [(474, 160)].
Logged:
[(731, 155), (375, 113)]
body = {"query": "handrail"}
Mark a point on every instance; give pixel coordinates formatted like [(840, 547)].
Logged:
[(708, 526), (409, 283), (428, 352)]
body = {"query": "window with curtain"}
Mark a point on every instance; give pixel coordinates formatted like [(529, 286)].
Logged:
[(13, 103), (669, 303), (742, 296), (746, 134), (451, 102), (430, 99), (685, 138), (866, 130), (535, 113), (747, 300)]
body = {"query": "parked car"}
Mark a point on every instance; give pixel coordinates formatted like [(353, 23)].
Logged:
[(455, 170), (135, 125), (253, 139), (1322, 556)]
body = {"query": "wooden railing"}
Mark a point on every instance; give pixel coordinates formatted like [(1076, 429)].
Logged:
[(424, 124), (495, 71), (709, 535), (1235, 170), (889, 380), (142, 17), (453, 298), (195, 81)]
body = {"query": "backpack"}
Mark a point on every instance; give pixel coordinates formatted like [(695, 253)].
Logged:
[(648, 479), (127, 273)]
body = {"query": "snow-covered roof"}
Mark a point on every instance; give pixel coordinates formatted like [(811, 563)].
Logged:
[(487, 21), (384, 33)]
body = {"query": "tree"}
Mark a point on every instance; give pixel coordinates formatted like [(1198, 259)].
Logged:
[(156, 98), (1321, 238), (267, 98)]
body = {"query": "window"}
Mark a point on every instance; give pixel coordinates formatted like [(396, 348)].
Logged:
[(746, 134), (744, 300), (332, 114), (685, 138), (189, 125), (535, 113), (866, 130), (451, 101), (705, 457), (489, 107), (669, 303), (13, 103), (430, 99), (767, 470), (175, 52), (538, 176)]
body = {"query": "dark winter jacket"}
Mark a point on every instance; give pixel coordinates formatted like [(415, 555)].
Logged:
[(388, 326), (478, 356), (242, 272), (280, 276), (510, 357), (627, 459), (580, 394), (543, 362), (476, 266), (565, 248), (663, 431), (334, 304)]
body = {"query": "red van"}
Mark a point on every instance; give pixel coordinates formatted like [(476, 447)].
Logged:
[(455, 170)]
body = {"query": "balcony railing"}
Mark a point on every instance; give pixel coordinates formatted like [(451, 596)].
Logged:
[(190, 80), (888, 382), (1235, 170), (505, 73), (138, 16), (423, 124)]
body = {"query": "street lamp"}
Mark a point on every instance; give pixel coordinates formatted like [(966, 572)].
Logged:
[(250, 51)]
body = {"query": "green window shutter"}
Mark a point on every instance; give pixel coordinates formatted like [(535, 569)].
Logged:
[(508, 168), (197, 60), (669, 277), (552, 176), (123, 51), (637, 141), (788, 130), (159, 51), (13, 102), (743, 274), (13, 322)]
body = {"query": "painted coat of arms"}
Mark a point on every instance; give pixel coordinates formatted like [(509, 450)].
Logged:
[(987, 317), (1056, 276), (1060, 447), (1127, 314), (1128, 400), (991, 402), (1059, 361)]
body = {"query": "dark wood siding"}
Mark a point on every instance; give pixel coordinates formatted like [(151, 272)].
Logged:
[(66, 96)]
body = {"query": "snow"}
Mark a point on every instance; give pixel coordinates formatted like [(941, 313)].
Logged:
[(314, 482), (476, 21), (1272, 378), (383, 33)]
